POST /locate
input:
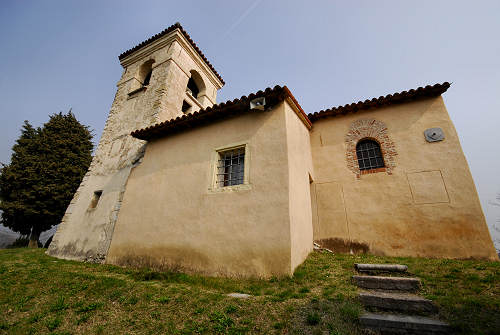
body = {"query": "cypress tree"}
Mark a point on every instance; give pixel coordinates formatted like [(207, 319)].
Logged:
[(46, 167)]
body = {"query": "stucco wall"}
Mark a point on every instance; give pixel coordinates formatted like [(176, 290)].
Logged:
[(425, 205), (300, 172), (85, 233), (172, 217)]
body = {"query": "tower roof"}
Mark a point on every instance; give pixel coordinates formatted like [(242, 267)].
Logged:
[(170, 29)]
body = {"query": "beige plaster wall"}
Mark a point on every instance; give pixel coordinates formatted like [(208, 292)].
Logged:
[(427, 207), (173, 217), (85, 233), (300, 172)]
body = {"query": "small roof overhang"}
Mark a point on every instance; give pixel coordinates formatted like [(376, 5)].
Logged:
[(222, 111)]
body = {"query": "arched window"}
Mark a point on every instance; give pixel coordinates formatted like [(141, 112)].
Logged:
[(369, 155), (193, 88), (145, 72), (147, 79), (196, 86)]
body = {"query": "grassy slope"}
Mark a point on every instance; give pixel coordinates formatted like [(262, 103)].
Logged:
[(40, 294)]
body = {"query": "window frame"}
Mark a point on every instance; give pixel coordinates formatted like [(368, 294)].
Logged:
[(231, 167), (216, 154), (143, 71), (375, 168)]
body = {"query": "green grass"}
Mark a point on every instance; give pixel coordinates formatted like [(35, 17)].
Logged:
[(44, 295)]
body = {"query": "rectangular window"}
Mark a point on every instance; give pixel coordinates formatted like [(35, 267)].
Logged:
[(231, 167)]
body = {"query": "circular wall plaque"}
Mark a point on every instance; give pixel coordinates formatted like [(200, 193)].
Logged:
[(434, 134)]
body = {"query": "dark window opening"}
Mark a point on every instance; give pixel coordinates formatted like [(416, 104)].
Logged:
[(147, 78), (185, 107), (231, 167), (95, 199), (369, 155), (193, 88), (145, 73)]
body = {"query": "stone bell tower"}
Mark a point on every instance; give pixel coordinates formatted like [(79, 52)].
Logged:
[(164, 77)]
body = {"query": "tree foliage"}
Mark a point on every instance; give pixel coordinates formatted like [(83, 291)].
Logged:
[(46, 167)]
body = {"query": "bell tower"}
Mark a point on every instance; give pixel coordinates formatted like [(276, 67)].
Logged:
[(163, 77)]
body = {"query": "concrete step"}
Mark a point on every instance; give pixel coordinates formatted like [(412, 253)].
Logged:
[(387, 283), (403, 324), (380, 268), (399, 302)]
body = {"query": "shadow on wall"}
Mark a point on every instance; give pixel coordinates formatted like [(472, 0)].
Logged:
[(340, 245)]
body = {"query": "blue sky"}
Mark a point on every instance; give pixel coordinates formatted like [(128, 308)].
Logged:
[(56, 55)]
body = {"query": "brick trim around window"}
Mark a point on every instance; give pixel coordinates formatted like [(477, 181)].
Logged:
[(372, 129)]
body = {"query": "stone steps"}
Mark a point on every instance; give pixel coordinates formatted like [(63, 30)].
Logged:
[(394, 301), (376, 268), (387, 283), (403, 324), (393, 294)]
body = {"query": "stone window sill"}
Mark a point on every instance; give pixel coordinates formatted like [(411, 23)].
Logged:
[(193, 100), (382, 169), (229, 189), (137, 91), (371, 171)]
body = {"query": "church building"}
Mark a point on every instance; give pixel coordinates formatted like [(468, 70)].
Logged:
[(244, 188)]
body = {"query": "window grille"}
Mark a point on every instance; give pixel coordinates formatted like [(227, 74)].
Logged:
[(369, 155), (231, 167)]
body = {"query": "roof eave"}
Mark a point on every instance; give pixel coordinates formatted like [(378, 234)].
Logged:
[(126, 55), (223, 110), (390, 99)]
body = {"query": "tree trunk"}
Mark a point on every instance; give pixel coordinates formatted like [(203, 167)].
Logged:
[(33, 240)]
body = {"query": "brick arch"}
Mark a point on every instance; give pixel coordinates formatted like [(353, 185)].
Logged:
[(371, 129)]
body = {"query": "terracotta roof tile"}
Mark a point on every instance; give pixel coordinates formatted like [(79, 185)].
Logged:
[(390, 99), (177, 25), (223, 110), (273, 96)]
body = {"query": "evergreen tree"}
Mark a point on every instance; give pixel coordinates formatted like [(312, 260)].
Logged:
[(46, 167)]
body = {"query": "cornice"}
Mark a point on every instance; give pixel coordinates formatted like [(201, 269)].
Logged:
[(174, 36), (302, 116), (148, 49)]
